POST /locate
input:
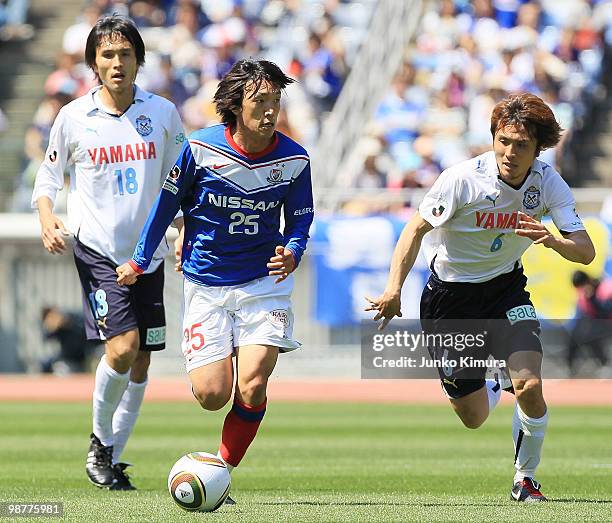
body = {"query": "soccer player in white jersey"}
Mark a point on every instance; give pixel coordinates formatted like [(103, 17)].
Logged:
[(119, 143), (483, 214), (232, 182)]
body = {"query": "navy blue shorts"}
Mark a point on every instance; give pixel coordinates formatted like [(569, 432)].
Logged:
[(111, 309), (498, 311)]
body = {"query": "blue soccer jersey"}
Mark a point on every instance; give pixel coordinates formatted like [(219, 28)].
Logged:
[(232, 203)]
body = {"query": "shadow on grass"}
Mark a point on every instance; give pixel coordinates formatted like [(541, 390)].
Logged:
[(419, 504), (579, 500)]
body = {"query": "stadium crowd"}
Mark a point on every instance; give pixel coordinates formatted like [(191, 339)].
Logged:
[(13, 21), (191, 44), (467, 56)]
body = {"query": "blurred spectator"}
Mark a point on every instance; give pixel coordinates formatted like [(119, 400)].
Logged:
[(35, 146), (593, 324), (323, 73), (13, 17), (68, 330), (75, 36), (68, 79)]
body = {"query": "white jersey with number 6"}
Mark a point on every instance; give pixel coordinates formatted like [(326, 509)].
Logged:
[(474, 214), (117, 166)]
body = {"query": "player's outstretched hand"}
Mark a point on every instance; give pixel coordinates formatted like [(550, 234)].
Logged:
[(387, 306), (53, 233), (178, 250), (531, 228), (126, 275), (282, 264)]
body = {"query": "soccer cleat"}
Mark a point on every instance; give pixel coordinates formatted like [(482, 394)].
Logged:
[(527, 490), (99, 465), (121, 481), (229, 501)]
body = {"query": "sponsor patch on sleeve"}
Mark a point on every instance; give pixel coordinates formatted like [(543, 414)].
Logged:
[(169, 186)]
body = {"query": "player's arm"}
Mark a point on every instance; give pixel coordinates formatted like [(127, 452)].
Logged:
[(164, 210), (174, 142), (438, 207), (49, 180), (573, 246), (298, 211), (389, 304)]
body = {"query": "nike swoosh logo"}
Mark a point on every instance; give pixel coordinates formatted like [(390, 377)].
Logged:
[(220, 166), (516, 495)]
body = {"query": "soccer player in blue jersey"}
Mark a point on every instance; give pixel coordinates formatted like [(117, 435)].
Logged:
[(232, 182)]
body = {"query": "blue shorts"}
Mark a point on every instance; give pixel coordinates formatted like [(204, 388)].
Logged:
[(111, 309), (499, 311)]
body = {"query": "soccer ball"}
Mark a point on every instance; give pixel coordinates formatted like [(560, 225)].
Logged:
[(199, 482)]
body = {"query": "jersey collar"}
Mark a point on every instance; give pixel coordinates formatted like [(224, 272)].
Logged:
[(250, 156), (139, 96)]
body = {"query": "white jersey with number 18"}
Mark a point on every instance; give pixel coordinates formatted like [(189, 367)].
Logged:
[(117, 166), (474, 214)]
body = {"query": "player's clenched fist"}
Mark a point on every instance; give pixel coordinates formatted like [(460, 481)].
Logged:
[(387, 306), (126, 275), (282, 264)]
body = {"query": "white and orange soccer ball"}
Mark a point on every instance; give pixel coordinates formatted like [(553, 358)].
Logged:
[(199, 482)]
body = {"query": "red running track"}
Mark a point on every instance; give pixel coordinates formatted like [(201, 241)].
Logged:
[(79, 388)]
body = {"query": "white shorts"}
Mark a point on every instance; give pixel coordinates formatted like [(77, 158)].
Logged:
[(218, 319)]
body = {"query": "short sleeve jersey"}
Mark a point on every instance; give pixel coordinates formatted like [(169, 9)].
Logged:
[(474, 214), (117, 165)]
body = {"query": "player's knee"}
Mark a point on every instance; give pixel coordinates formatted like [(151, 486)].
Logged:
[(471, 420), (529, 389), (253, 390), (211, 397), (122, 355)]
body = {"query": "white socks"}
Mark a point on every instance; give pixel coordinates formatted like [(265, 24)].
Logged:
[(528, 434), (229, 467), (494, 391), (108, 390), (126, 415)]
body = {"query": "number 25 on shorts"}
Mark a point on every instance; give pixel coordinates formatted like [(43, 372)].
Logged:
[(194, 339)]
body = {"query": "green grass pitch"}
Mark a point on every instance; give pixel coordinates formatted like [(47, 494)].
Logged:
[(317, 462)]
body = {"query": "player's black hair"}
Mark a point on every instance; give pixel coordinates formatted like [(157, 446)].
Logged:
[(529, 112), (580, 279), (230, 91), (111, 27)]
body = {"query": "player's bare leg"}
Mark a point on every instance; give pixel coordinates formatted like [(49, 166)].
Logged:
[(212, 384), (529, 423), (111, 382), (472, 409)]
